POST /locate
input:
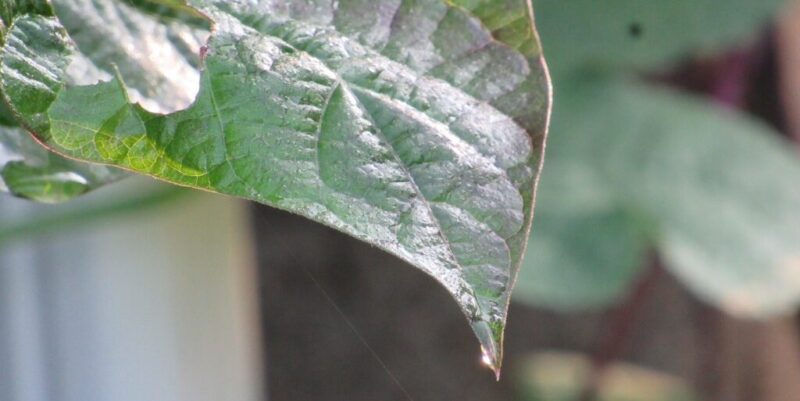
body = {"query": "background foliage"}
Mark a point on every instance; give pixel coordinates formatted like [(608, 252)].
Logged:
[(634, 165)]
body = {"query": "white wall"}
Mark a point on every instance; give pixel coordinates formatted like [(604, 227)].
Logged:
[(155, 306)]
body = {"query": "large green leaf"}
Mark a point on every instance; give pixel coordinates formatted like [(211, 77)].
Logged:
[(644, 34), (406, 124), (717, 193)]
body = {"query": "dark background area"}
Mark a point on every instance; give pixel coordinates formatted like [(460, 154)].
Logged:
[(421, 337)]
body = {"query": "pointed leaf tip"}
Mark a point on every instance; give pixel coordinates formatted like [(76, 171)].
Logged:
[(427, 149)]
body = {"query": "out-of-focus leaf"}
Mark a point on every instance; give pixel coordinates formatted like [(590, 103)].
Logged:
[(406, 124), (580, 261), (586, 248), (712, 190), (725, 191), (717, 192), (644, 34), (561, 376)]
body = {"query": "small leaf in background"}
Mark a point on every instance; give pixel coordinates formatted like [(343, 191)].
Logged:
[(405, 124), (717, 193), (578, 261), (724, 190), (586, 248), (562, 376), (644, 34)]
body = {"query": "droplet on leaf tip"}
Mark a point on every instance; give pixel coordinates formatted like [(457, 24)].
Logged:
[(487, 360)]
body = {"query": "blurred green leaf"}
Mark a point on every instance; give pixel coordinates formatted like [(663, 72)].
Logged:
[(405, 124), (631, 166), (644, 34), (577, 260), (561, 376), (717, 193), (725, 190)]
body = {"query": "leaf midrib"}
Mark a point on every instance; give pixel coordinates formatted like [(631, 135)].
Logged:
[(342, 84)]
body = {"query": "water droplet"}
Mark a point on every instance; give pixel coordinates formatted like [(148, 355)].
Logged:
[(490, 354), (486, 359), (489, 361)]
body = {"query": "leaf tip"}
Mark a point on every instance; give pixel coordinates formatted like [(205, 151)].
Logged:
[(491, 351), (490, 360)]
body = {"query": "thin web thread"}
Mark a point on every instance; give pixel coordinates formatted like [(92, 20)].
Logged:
[(352, 327), (357, 334)]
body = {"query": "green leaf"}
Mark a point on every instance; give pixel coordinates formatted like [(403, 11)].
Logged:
[(28, 170), (644, 34), (604, 193), (166, 83), (726, 191), (562, 376), (580, 260), (586, 248), (406, 124), (717, 193)]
